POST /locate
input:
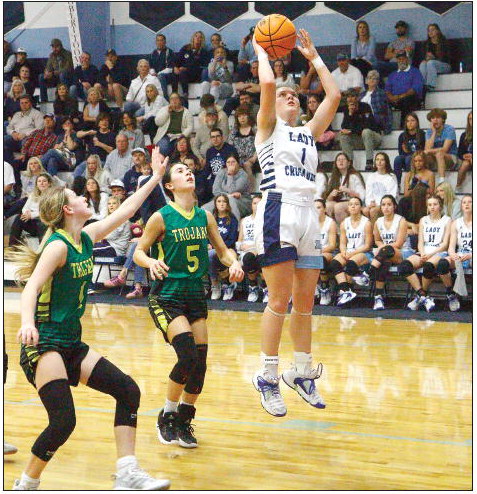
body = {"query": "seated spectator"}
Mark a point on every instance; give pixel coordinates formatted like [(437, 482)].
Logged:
[(119, 160), (376, 98), (400, 44), (136, 96), (464, 152), (79, 186), (203, 180), (379, 184), (347, 77), (154, 102), (233, 182), (245, 98), (29, 219), (441, 145), (345, 182), (412, 139), (93, 107), (182, 150), (451, 203), (282, 78), (207, 102), (245, 57), (59, 68), (228, 228), (117, 189), (86, 76), (215, 42), (9, 60), (404, 87), (25, 76), (243, 139), (327, 139), (363, 49), (419, 183), (201, 141), (172, 121), (220, 72), (21, 60), (162, 63), (217, 154), (359, 128), (310, 83), (132, 175), (95, 170), (97, 200), (433, 241), (436, 60), (113, 78), (64, 105), (130, 129), (12, 101), (8, 187), (251, 86)]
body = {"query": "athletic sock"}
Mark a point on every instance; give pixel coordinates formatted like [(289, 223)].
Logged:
[(27, 481), (303, 362), (270, 364), (187, 404), (170, 406), (125, 462)]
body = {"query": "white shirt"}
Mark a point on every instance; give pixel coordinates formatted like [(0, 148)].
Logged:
[(464, 236), (367, 98), (433, 232), (8, 175), (346, 80), (137, 89), (324, 235), (248, 229), (379, 185), (388, 235), (356, 237)]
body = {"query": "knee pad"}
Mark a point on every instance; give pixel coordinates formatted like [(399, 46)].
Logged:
[(351, 268), (406, 268), (107, 378), (385, 253), (186, 351), (250, 263), (326, 264), (428, 270), (196, 380), (382, 272), (335, 267), (57, 398), (443, 267)]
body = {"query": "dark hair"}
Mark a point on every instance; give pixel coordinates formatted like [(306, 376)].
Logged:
[(285, 72), (160, 34), (228, 211), (206, 100), (309, 116), (167, 178), (175, 156), (79, 185), (468, 130), (131, 115), (335, 177), (95, 197), (244, 110), (420, 136), (321, 201), (216, 129), (358, 199), (387, 161), (367, 28), (439, 32), (439, 199), (392, 198), (234, 155), (437, 112), (103, 116)]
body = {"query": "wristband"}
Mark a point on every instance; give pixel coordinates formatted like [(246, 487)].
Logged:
[(318, 62)]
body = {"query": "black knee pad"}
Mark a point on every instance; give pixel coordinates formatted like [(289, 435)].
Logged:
[(107, 378), (428, 270), (187, 357), (443, 267), (196, 380), (406, 268), (335, 267), (250, 263), (57, 398), (382, 272), (385, 253), (351, 268), (326, 265)]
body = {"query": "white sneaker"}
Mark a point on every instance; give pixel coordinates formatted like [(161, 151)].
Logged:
[(317, 291), (416, 302), (216, 292), (378, 302), (325, 296), (361, 279), (20, 487), (429, 303), (454, 304), (9, 449), (229, 291), (270, 396), (136, 479), (265, 295), (252, 294), (345, 297), (305, 385)]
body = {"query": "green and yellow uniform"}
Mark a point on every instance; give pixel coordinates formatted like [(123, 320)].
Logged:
[(184, 249), (60, 305)]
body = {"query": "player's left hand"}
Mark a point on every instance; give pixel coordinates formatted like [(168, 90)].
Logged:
[(307, 48), (235, 272), (158, 162)]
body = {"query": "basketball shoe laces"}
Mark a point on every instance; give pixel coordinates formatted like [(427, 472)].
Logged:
[(271, 391), (308, 380), (136, 477)]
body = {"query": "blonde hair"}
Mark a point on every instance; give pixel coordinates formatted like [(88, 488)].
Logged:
[(16, 82), (114, 199), (449, 197), (37, 193), (33, 159), (155, 90), (99, 168)]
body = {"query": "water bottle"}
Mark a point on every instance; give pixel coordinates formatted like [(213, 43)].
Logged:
[(461, 67)]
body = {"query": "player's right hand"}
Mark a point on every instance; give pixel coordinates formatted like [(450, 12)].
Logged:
[(28, 335), (258, 49), (158, 269)]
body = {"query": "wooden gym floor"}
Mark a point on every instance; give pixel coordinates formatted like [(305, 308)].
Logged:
[(398, 412)]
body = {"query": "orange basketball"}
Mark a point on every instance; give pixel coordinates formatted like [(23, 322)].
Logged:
[(276, 34)]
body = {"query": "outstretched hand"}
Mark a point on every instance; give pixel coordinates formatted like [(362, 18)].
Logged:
[(158, 162), (258, 49), (307, 48)]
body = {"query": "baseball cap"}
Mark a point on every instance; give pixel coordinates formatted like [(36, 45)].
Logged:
[(111, 51), (341, 56), (116, 183), (21, 50), (56, 42), (400, 23), (138, 150), (401, 54), (49, 115)]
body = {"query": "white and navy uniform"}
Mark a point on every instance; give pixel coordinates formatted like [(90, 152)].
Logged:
[(248, 228), (356, 237), (464, 240), (286, 224), (389, 236), (433, 233), (324, 235)]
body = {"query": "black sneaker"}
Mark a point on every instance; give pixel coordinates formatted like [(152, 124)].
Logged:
[(167, 427), (185, 431)]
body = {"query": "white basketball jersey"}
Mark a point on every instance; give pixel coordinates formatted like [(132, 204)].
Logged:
[(356, 237), (325, 232), (248, 228), (288, 159), (433, 232), (388, 236), (464, 236)]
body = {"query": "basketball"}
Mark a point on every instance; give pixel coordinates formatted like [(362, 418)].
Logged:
[(276, 34)]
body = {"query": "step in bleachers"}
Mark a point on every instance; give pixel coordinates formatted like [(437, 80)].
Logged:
[(449, 99)]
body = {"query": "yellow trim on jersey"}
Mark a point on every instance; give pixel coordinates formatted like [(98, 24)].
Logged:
[(161, 254), (44, 300), (63, 233), (183, 212)]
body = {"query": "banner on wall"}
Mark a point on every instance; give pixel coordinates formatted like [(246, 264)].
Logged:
[(74, 33)]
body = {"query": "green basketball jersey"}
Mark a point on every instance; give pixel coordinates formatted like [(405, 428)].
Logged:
[(184, 246), (63, 297)]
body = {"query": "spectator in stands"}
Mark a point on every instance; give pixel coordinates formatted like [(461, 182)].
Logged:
[(451, 203), (190, 61), (215, 42), (59, 68), (9, 60), (117, 189), (437, 58), (12, 101), (25, 76), (347, 77), (441, 145), (136, 96), (29, 219), (243, 139), (21, 60), (131, 131), (359, 128), (376, 98), (119, 160), (22, 124), (154, 102), (86, 76), (245, 56), (79, 186), (95, 170), (460, 249), (132, 175), (220, 72), (201, 141), (8, 187), (217, 154), (228, 228), (464, 152), (97, 200), (379, 184), (419, 183), (62, 156), (233, 182), (162, 63), (400, 44), (208, 102), (404, 87), (93, 107), (433, 241), (310, 83), (64, 105), (412, 139), (345, 182), (250, 86), (172, 121), (363, 49), (203, 180), (282, 78), (113, 78), (327, 139), (182, 150)]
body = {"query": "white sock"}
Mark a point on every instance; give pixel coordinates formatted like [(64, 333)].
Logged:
[(303, 362), (125, 462), (170, 406), (187, 404), (28, 481), (270, 364)]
